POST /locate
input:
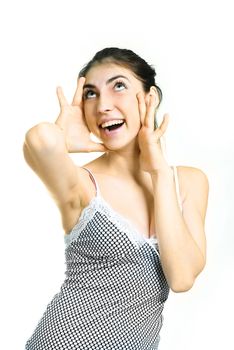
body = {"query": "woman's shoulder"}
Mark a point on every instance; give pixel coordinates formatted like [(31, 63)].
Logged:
[(94, 165), (190, 172), (190, 178)]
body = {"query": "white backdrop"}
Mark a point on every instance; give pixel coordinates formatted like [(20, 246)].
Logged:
[(45, 44)]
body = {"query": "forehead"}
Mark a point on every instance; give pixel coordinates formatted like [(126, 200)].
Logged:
[(100, 73)]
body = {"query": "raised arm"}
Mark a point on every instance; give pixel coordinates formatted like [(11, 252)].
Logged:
[(47, 145)]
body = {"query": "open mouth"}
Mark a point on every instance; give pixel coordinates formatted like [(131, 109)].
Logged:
[(110, 129)]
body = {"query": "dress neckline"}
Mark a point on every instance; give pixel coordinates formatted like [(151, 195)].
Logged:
[(120, 216), (116, 214), (98, 204)]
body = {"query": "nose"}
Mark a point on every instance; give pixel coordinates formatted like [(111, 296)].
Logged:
[(104, 103)]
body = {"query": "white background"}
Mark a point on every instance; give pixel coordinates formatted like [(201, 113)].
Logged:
[(45, 44)]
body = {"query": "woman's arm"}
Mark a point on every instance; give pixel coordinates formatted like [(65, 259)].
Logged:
[(45, 152), (181, 236)]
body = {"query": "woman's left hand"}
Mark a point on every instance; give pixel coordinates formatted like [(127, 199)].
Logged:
[(151, 155)]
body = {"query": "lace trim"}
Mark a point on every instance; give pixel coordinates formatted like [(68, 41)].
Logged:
[(99, 204)]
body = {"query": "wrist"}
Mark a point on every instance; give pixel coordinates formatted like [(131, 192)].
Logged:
[(58, 126), (165, 171), (62, 134)]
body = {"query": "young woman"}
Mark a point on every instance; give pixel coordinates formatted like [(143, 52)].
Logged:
[(134, 225)]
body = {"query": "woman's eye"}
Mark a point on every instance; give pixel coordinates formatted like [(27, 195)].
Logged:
[(120, 83), (86, 96)]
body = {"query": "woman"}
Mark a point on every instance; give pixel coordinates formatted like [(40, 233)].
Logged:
[(134, 228)]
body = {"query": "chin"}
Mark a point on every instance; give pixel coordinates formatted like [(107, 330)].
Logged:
[(116, 146)]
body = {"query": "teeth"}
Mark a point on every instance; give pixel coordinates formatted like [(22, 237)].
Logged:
[(112, 122)]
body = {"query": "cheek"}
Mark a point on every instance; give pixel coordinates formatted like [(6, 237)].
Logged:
[(132, 108), (87, 113), (90, 120), (130, 102), (85, 109)]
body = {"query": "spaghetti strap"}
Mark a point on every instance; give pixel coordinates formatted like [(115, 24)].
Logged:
[(177, 187), (94, 181)]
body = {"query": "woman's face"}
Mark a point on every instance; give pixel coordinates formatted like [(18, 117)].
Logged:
[(112, 96)]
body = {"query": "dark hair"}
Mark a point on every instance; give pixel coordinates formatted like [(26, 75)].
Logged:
[(128, 59)]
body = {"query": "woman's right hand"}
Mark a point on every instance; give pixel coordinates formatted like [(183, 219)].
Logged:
[(72, 121)]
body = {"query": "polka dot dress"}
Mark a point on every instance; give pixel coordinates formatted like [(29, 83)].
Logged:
[(114, 289)]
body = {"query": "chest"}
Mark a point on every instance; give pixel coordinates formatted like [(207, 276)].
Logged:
[(133, 202)]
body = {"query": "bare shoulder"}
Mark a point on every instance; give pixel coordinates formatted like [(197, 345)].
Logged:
[(84, 189), (71, 210), (191, 175), (196, 187), (79, 191)]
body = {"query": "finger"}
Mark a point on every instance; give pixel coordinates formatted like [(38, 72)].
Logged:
[(151, 110), (97, 147), (61, 97), (165, 122), (141, 106), (77, 99), (163, 126)]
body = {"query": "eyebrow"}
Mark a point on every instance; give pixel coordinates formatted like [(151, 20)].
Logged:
[(107, 82)]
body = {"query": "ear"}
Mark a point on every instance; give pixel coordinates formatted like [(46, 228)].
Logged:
[(153, 91)]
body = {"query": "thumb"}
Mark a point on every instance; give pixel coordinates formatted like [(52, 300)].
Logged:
[(97, 147)]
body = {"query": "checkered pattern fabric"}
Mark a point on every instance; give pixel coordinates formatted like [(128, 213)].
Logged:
[(114, 290)]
